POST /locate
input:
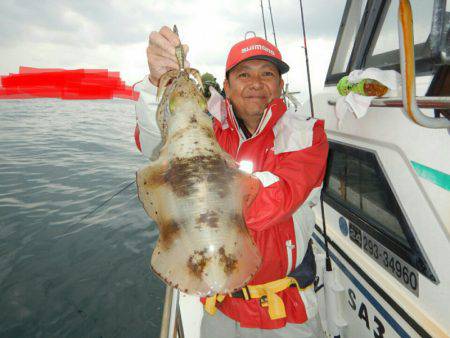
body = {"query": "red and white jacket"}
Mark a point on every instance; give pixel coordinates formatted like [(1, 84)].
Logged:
[(288, 155)]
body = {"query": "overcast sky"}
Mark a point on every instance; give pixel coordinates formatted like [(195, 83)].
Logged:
[(113, 34)]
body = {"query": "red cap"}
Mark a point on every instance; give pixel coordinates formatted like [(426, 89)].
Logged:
[(255, 48)]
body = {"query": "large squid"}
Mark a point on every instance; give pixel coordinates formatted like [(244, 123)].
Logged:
[(196, 195)]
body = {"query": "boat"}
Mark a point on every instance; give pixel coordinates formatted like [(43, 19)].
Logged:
[(382, 230)]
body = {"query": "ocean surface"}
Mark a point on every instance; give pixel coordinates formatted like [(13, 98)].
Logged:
[(66, 271)]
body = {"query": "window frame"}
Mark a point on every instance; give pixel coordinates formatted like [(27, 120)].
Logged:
[(414, 255), (331, 77), (429, 55)]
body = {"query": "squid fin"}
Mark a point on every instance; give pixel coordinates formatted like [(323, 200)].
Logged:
[(148, 179)]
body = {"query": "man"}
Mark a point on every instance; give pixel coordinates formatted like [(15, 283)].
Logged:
[(287, 153)]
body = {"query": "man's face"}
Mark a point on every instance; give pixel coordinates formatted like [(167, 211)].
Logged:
[(251, 86)]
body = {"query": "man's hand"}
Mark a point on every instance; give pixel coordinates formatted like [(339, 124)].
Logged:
[(161, 53)]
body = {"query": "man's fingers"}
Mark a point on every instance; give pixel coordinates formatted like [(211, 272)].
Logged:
[(161, 52), (160, 41), (157, 51), (161, 64), (170, 35)]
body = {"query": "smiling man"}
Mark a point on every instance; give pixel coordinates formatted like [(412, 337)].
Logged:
[(250, 87), (287, 153)]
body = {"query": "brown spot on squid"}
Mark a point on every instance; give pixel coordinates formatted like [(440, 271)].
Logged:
[(197, 262), (210, 218), (168, 230), (229, 261)]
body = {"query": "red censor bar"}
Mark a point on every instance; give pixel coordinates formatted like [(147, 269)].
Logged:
[(78, 84)]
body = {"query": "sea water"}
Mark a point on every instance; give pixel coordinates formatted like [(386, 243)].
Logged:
[(62, 275)]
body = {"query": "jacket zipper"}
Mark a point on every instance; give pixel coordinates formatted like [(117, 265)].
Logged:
[(236, 126), (289, 248)]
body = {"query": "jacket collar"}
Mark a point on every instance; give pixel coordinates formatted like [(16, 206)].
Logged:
[(271, 115)]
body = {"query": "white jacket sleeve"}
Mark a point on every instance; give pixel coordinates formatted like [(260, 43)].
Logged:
[(149, 134)]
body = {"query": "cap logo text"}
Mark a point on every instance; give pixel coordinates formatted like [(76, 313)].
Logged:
[(258, 47)]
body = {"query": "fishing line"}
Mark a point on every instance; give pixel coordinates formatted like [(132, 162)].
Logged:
[(328, 266), (264, 20), (109, 199), (95, 209), (325, 236), (307, 60), (273, 28)]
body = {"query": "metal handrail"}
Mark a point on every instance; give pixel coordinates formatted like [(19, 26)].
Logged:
[(293, 100), (431, 102), (171, 322), (407, 67), (164, 333), (179, 323)]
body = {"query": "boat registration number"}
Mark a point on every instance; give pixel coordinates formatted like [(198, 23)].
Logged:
[(394, 265)]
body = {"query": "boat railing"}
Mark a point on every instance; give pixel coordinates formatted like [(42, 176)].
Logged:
[(430, 102), (291, 99), (407, 67), (171, 323)]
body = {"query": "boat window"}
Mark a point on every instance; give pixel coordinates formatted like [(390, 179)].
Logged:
[(388, 36), (352, 18), (357, 187), (357, 181), (384, 52), (368, 37)]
